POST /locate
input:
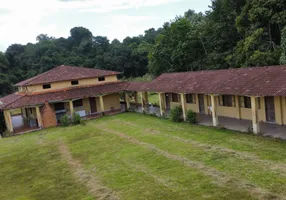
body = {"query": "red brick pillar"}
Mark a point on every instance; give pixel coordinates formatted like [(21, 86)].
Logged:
[(48, 116)]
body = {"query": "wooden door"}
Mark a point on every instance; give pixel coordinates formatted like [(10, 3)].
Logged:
[(270, 109), (167, 98), (92, 103), (201, 103)]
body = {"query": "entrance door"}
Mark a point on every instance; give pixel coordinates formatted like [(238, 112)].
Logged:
[(270, 109), (201, 103), (167, 98), (92, 103)]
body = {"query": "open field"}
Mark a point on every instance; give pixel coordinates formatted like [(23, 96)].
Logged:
[(134, 156)]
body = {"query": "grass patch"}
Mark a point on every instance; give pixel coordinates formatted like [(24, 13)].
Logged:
[(32, 167)]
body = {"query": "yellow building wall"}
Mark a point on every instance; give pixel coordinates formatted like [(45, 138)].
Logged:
[(16, 111), (278, 110), (194, 107), (67, 84), (174, 104), (111, 101), (261, 111), (246, 113), (227, 111)]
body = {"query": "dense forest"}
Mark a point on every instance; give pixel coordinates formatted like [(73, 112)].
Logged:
[(233, 33)]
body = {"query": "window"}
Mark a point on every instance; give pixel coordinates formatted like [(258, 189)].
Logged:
[(59, 106), (102, 78), (247, 102), (175, 97), (77, 103), (190, 98), (74, 82), (227, 101), (46, 86)]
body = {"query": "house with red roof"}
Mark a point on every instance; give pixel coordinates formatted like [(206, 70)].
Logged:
[(42, 100), (253, 95)]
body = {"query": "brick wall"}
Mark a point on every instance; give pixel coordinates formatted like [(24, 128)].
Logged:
[(48, 116)]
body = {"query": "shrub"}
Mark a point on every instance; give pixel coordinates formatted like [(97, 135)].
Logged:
[(176, 114), (65, 120), (76, 119), (191, 117)]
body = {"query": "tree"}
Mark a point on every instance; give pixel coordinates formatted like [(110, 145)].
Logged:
[(283, 47)]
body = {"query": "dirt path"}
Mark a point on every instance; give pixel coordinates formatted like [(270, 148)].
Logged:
[(92, 183), (221, 178), (206, 147)]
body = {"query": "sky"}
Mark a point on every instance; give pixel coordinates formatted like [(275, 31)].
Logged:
[(22, 20)]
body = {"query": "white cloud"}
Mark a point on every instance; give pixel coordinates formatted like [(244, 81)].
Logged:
[(120, 26), (20, 21)]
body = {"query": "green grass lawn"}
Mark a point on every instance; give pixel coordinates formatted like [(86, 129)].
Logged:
[(135, 156)]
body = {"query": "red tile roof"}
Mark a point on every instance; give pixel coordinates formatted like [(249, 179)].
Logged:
[(256, 81), (137, 86), (64, 73), (17, 100)]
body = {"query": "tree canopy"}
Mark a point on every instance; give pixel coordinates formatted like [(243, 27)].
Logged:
[(233, 33)]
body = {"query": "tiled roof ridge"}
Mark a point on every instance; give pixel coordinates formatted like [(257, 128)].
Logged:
[(27, 81), (228, 69)]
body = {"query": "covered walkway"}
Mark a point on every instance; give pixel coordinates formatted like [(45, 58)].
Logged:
[(266, 129)]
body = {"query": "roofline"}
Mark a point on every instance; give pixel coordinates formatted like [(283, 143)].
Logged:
[(40, 75), (234, 68), (116, 73)]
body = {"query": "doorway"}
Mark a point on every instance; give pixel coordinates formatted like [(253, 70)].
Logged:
[(201, 104), (167, 98), (270, 109), (92, 103)]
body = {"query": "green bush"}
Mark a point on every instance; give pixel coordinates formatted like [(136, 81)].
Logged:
[(65, 120), (76, 119), (191, 117), (176, 114)]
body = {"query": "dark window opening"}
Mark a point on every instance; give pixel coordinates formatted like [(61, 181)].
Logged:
[(247, 102), (46, 86), (190, 98), (59, 106), (228, 101), (77, 103), (102, 78), (74, 82), (175, 97)]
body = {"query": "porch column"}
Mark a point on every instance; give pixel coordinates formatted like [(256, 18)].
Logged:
[(39, 117), (24, 112), (127, 100), (214, 110), (144, 98), (101, 103), (184, 106), (237, 105), (162, 104), (8, 120), (136, 98), (71, 106), (254, 110)]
